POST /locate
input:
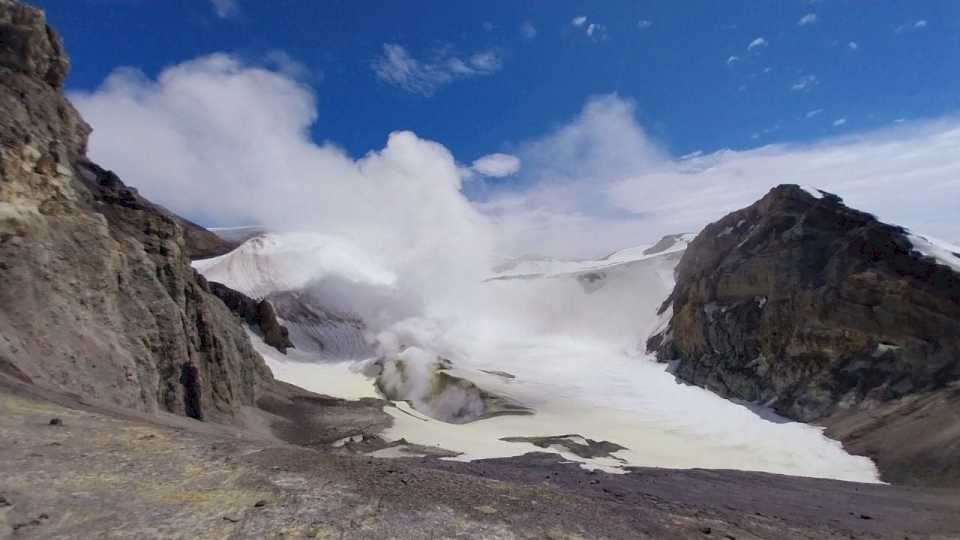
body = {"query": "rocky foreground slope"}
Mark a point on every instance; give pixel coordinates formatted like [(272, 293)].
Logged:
[(826, 314)]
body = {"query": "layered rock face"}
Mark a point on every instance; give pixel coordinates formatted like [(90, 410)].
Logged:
[(816, 309), (808, 305), (98, 295)]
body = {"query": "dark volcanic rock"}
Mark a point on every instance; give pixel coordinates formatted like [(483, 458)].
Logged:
[(575, 444), (97, 293), (812, 307), (257, 313)]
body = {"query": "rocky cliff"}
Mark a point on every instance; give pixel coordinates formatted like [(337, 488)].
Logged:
[(98, 295), (818, 310)]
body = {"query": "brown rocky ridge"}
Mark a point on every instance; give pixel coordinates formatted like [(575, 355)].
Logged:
[(828, 315)]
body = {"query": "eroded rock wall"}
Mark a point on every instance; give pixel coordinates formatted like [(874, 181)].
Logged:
[(97, 296)]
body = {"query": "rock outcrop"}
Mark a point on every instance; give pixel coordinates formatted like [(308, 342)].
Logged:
[(259, 314), (200, 243), (98, 295), (813, 308)]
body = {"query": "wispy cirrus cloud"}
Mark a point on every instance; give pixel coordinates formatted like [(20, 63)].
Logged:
[(804, 83), (911, 26), (396, 66), (758, 43), (225, 8), (807, 20)]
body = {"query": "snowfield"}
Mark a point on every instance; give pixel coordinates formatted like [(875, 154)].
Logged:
[(562, 338)]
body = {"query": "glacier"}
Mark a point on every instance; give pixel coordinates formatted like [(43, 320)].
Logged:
[(562, 340)]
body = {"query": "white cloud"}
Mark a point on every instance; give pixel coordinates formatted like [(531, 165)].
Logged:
[(765, 131), (911, 26), (853, 46), (839, 122), (759, 42), (402, 205), (496, 165), (596, 32), (528, 30), (814, 112), (485, 62), (579, 20), (595, 184), (398, 67), (488, 26), (225, 8), (732, 60), (808, 19), (600, 183), (804, 83), (643, 24)]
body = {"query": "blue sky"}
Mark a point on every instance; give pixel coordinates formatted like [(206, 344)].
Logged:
[(562, 128), (676, 65)]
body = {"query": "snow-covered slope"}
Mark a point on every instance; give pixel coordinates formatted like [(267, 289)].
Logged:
[(531, 267), (945, 253), (560, 338), (289, 262), (305, 277)]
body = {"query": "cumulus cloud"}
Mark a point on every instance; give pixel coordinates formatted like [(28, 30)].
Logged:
[(757, 43), (600, 182), (733, 60), (597, 183), (839, 122), (496, 165), (579, 20), (853, 46), (225, 8), (226, 143), (808, 19), (396, 66), (643, 24), (814, 112)]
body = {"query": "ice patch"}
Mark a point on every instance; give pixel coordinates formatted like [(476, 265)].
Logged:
[(943, 252), (814, 192)]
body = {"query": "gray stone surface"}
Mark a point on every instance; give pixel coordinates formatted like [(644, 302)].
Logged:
[(818, 310), (97, 291)]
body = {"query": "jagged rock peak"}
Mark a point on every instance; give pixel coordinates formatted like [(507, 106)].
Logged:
[(807, 304), (30, 46)]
